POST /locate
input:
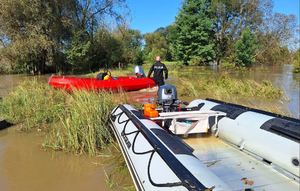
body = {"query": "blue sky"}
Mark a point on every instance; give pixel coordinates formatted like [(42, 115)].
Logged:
[(148, 15)]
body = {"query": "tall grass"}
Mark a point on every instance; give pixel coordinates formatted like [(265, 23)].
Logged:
[(84, 125), (76, 122), (246, 92), (33, 105), (224, 87)]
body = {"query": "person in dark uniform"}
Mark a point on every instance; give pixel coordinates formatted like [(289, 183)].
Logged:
[(158, 68)]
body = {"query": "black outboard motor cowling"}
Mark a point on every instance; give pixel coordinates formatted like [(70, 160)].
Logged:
[(167, 98)]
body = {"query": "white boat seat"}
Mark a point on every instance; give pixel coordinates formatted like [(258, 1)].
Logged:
[(195, 121)]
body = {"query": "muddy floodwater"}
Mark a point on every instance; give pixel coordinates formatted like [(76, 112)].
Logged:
[(25, 166)]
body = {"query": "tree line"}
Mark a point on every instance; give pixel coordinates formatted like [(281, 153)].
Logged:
[(84, 35), (64, 36), (226, 31)]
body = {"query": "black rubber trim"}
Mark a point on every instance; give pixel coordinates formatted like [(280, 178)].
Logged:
[(255, 110), (174, 143), (116, 118), (196, 108), (188, 180), (282, 127), (231, 111), (138, 114), (212, 120)]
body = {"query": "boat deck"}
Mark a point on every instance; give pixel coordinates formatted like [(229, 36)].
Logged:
[(239, 170)]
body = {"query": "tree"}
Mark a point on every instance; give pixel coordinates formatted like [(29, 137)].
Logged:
[(245, 49), (37, 33), (275, 34), (131, 42), (232, 17), (194, 39), (77, 54), (107, 51), (156, 44), (34, 31)]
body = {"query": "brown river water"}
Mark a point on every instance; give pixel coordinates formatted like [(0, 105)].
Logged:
[(25, 166)]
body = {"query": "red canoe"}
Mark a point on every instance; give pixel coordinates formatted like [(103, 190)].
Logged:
[(125, 83)]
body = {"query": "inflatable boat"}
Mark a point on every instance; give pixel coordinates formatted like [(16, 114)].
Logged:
[(126, 83), (243, 149)]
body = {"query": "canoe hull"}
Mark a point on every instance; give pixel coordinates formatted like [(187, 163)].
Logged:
[(127, 83)]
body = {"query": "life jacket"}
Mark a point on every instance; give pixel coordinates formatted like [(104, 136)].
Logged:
[(107, 77)]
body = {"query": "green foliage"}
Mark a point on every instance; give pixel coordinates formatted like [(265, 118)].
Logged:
[(207, 30), (194, 32), (33, 105), (41, 34), (139, 58), (245, 49), (76, 122), (224, 87), (33, 31), (107, 49), (84, 126), (131, 44), (156, 45), (232, 17), (276, 36), (78, 53)]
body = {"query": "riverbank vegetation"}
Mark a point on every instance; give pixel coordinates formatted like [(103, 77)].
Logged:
[(74, 122), (296, 61), (83, 36)]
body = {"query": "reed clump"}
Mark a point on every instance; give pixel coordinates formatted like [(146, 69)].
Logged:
[(224, 87), (33, 105), (73, 122), (84, 126)]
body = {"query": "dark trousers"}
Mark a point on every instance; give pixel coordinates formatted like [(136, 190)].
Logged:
[(159, 82)]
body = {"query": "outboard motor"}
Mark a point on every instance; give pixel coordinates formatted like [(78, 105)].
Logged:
[(167, 98)]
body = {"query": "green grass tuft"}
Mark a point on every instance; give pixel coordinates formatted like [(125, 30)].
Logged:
[(84, 126), (76, 122), (33, 105), (224, 87)]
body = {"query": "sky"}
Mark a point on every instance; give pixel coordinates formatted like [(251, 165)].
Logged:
[(148, 15)]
